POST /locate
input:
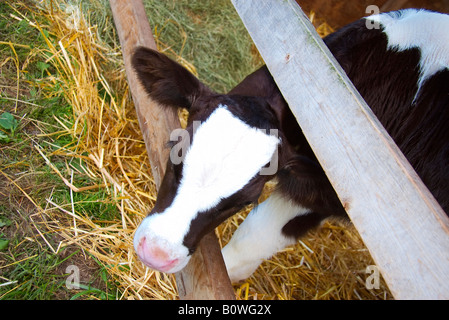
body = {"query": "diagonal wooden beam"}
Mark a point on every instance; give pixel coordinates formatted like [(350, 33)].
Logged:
[(402, 225)]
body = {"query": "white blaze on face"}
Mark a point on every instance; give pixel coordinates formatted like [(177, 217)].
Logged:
[(224, 156), (425, 30)]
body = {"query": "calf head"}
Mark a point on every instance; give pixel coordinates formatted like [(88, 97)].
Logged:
[(215, 166)]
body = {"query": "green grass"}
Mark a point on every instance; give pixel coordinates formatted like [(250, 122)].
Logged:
[(43, 276), (208, 34), (29, 104), (35, 276)]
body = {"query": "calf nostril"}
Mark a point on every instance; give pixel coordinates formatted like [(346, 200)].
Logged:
[(141, 246), (154, 256), (159, 254)]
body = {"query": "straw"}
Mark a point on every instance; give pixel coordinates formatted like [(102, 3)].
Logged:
[(328, 263)]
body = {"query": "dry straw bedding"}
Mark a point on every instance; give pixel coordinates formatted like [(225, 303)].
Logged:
[(328, 263)]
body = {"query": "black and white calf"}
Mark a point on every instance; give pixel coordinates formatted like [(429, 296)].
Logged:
[(401, 70)]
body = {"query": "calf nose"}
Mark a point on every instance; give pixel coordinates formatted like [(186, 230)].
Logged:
[(154, 257)]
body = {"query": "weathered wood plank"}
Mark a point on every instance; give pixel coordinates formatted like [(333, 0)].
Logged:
[(404, 228), (205, 277), (155, 121)]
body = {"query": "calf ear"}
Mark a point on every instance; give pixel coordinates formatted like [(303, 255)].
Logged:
[(165, 80)]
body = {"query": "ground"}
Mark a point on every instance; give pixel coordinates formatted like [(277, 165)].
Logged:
[(29, 267), (74, 175)]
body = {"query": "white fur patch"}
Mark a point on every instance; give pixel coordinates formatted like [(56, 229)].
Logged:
[(421, 29), (224, 156), (260, 236)]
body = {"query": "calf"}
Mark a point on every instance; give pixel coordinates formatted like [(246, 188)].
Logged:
[(400, 69)]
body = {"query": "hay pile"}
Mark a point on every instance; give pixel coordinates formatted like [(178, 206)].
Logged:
[(109, 155)]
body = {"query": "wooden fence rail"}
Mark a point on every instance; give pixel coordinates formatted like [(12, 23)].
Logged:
[(205, 277), (404, 228)]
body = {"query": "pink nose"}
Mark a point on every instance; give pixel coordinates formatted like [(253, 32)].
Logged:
[(154, 257)]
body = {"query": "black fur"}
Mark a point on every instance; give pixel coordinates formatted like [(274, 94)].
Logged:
[(386, 79)]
